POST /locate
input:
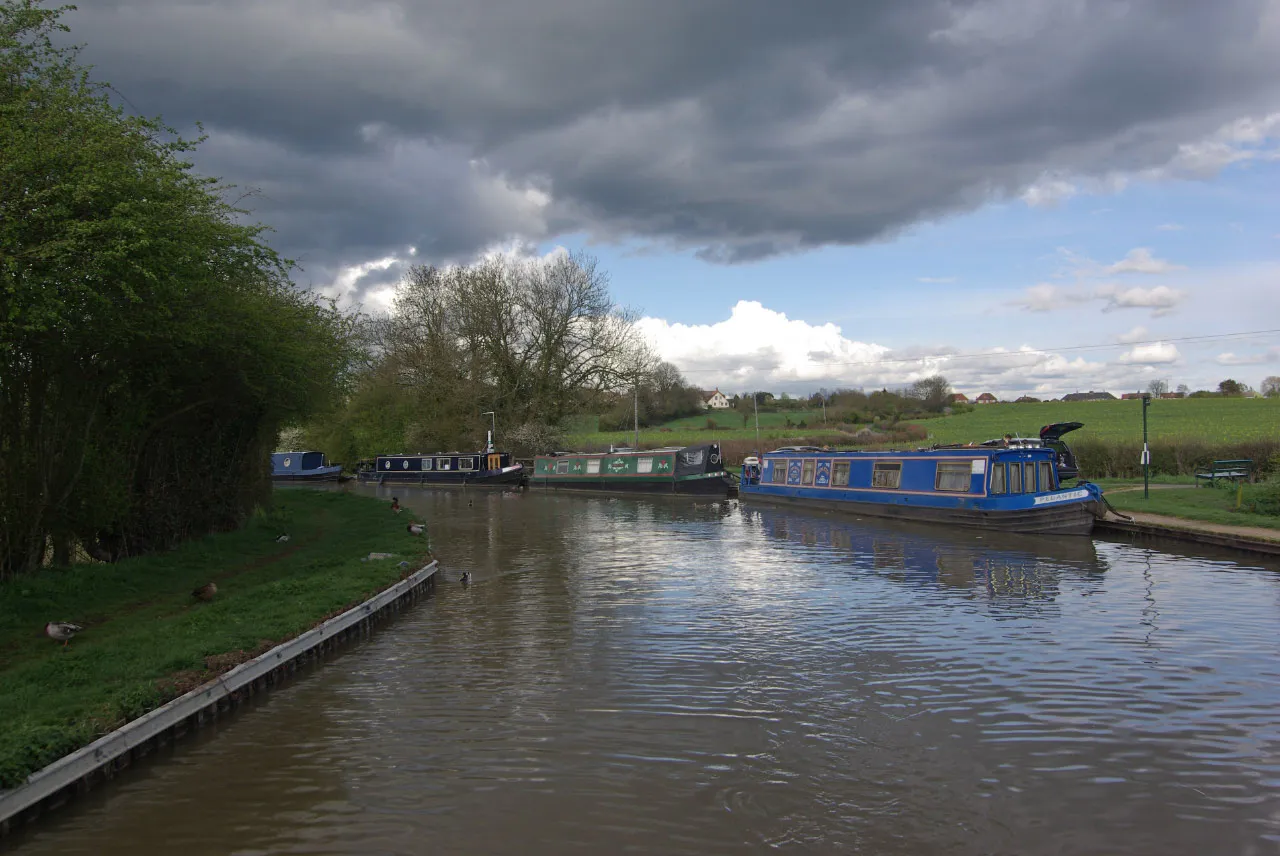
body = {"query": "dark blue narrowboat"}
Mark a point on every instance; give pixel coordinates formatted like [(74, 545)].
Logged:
[(483, 468), (1013, 489), (303, 466)]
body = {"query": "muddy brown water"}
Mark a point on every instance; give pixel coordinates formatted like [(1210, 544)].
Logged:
[(669, 676)]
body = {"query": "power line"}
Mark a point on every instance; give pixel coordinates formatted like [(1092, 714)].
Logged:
[(1034, 353)]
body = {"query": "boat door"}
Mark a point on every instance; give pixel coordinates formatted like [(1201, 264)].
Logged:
[(495, 462)]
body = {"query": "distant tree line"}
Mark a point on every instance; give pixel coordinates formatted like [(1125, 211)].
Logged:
[(151, 346)]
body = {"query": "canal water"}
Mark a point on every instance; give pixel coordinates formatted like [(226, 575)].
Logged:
[(680, 677)]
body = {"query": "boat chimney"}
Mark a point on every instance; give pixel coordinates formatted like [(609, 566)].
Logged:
[(489, 442)]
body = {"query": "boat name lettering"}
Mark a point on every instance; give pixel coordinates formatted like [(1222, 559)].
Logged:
[(1061, 497)]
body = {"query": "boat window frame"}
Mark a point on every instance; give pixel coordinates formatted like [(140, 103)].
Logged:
[(838, 467), (953, 468), (808, 470), (563, 463), (641, 469), (426, 464), (593, 466), (1029, 484), (467, 463), (998, 468), (777, 471), (894, 467), (1015, 469), (1045, 473)]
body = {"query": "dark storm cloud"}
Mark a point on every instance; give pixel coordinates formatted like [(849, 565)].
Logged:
[(744, 128)]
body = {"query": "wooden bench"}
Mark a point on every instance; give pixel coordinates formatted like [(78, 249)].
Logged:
[(1231, 470)]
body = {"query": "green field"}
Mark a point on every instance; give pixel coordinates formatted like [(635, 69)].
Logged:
[(1212, 504), (1211, 420), (146, 640), (1208, 419)]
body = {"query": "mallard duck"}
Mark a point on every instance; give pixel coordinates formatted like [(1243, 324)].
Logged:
[(282, 538), (395, 505), (416, 528), (61, 631), (466, 578), (205, 592)]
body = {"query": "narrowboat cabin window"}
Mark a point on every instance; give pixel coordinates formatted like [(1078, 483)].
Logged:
[(562, 468), (997, 478), (1015, 477), (1029, 478), (1046, 475), (644, 465), (840, 474), (807, 474), (953, 476), (779, 472), (443, 464), (466, 463), (426, 463), (593, 466), (886, 474)]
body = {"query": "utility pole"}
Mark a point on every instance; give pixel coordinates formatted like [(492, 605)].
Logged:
[(1146, 451), (824, 410), (493, 428), (755, 404)]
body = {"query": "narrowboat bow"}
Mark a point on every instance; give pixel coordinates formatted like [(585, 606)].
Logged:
[(1013, 489)]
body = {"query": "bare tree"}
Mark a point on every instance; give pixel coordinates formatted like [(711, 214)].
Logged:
[(932, 392), (1158, 388), (1271, 386)]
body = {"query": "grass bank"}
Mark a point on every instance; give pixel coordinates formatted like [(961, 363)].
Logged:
[(1259, 503), (146, 640)]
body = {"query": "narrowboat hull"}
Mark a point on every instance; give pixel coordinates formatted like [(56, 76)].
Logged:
[(706, 485), (1068, 519), (1007, 489), (323, 474), (682, 471), (505, 477)]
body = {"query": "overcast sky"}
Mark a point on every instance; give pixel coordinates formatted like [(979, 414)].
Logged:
[(794, 194)]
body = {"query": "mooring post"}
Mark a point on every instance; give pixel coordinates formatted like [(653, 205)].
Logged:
[(1146, 452)]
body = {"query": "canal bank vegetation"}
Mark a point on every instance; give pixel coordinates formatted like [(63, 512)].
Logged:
[(151, 345), (1225, 503), (146, 639)]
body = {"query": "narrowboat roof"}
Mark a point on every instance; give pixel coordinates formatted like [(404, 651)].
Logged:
[(938, 451), (619, 452)]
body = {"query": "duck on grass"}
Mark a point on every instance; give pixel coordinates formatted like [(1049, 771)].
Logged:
[(148, 629)]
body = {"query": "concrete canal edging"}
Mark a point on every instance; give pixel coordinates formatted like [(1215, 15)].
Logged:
[(76, 773), (1138, 530)]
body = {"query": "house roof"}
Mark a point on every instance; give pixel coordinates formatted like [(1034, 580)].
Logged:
[(986, 396)]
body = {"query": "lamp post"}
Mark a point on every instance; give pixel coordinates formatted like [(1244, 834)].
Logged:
[(755, 405), (493, 427), (1146, 451)]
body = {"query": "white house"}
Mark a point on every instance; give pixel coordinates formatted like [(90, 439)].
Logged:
[(714, 400)]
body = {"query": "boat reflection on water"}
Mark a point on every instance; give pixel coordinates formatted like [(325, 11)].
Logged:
[(1003, 565)]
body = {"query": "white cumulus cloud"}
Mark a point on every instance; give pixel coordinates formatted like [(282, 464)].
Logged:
[(1140, 260), (1155, 354), (1271, 355), (1160, 299)]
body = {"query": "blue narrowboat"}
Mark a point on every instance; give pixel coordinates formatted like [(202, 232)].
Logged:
[(1013, 489), (487, 467), (303, 466)]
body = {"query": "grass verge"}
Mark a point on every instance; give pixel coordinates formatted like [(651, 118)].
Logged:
[(1208, 504), (146, 640)]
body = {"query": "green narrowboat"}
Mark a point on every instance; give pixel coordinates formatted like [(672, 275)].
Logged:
[(689, 470)]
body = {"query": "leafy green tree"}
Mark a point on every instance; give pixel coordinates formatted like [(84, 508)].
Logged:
[(1271, 386), (151, 346), (1232, 388)]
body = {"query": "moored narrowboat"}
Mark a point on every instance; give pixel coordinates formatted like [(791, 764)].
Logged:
[(303, 466), (1014, 489), (695, 470), (484, 468)]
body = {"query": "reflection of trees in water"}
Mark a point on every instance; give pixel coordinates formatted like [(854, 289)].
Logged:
[(1003, 565)]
